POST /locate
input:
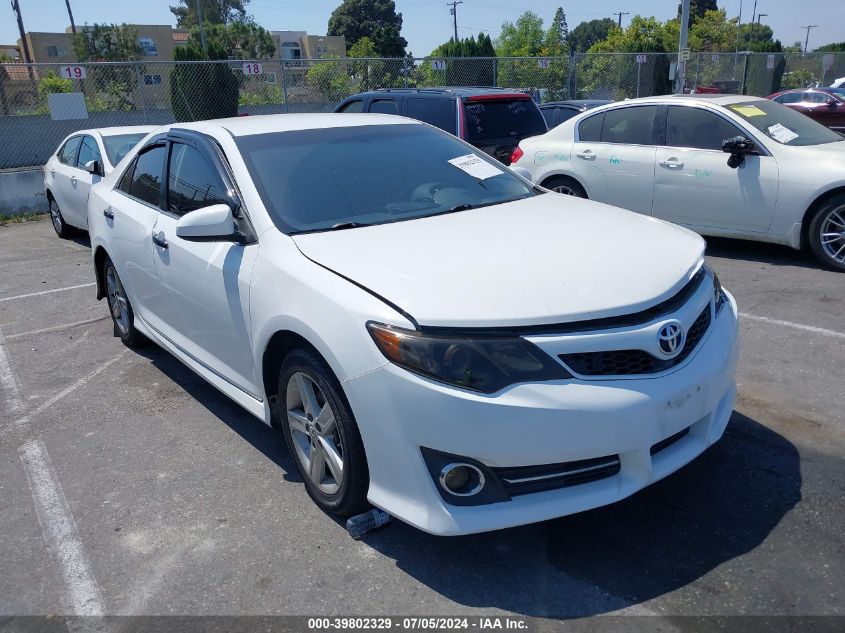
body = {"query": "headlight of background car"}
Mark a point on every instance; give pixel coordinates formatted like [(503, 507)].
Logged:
[(485, 364), (719, 296)]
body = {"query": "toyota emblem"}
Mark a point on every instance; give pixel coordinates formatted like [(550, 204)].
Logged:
[(670, 339)]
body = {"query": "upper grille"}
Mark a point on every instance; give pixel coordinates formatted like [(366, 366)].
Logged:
[(630, 362)]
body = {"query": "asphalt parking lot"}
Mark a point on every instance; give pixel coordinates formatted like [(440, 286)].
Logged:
[(181, 503)]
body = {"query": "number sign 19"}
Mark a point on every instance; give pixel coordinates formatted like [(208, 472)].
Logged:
[(73, 72)]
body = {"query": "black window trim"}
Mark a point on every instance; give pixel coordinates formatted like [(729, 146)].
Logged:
[(740, 129)]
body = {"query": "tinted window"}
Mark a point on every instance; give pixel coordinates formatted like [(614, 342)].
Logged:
[(88, 151), (384, 106), (691, 127), (192, 182), (119, 145), (353, 106), (589, 130), (550, 114), (816, 97), (629, 126), (515, 118), (790, 97), (312, 180), (126, 178), (146, 181), (564, 114), (783, 125), (438, 112), (68, 153)]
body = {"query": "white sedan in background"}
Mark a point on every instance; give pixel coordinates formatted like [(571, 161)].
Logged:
[(433, 334), (83, 159), (730, 166)]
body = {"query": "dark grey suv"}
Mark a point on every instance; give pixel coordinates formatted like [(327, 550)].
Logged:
[(494, 120)]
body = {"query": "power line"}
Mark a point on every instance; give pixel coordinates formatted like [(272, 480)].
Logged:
[(807, 38), (454, 11), (619, 14)]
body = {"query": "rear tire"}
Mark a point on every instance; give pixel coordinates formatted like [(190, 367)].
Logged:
[(121, 310), (827, 233), (322, 435), (565, 185), (62, 228)]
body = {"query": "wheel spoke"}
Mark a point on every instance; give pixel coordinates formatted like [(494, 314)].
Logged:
[(307, 395), (333, 460), (325, 421), (317, 464), (297, 422), (836, 219), (839, 252)]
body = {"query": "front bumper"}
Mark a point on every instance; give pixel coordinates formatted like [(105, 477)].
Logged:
[(540, 423)]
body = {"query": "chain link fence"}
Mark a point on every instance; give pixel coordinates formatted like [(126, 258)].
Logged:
[(42, 103)]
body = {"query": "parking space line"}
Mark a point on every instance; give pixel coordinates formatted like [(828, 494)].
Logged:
[(79, 383), (9, 383), (56, 328), (792, 324), (60, 530), (46, 292)]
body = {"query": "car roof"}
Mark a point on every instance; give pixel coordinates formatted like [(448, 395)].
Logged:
[(270, 123), (118, 130), (436, 91), (576, 102), (717, 99)]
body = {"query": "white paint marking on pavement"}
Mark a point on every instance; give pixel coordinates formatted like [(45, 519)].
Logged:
[(57, 328), (59, 529), (79, 383), (46, 292), (9, 384), (792, 324)]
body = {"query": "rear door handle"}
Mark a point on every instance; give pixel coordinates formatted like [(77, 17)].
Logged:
[(108, 213), (53, 173), (73, 180), (672, 163), (158, 240), (587, 154)]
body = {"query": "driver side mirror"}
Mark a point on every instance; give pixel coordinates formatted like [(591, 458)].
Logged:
[(737, 147), (215, 222), (831, 101), (93, 167)]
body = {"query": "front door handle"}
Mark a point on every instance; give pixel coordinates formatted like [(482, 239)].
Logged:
[(73, 180), (587, 154), (108, 213), (672, 163), (158, 240)]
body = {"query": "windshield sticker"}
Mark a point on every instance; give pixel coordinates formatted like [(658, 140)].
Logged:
[(748, 111), (476, 166), (781, 134)]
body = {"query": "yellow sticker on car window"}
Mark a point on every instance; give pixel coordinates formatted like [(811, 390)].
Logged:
[(747, 111)]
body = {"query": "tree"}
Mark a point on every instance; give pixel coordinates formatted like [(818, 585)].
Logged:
[(480, 72), (107, 43), (202, 91), (213, 12), (583, 36), (241, 40), (523, 38), (375, 19), (557, 35), (697, 9), (836, 47)]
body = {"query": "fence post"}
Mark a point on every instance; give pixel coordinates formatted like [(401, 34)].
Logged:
[(744, 73), (639, 71), (697, 70), (3, 102), (405, 69), (495, 72), (140, 81), (284, 85)]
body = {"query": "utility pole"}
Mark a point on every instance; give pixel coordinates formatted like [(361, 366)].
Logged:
[(17, 9), (619, 14), (738, 29), (454, 11), (70, 15), (807, 38), (753, 17), (681, 67), (199, 23)]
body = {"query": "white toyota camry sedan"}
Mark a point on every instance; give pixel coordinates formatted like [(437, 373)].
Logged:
[(433, 334), (722, 165), (81, 160)]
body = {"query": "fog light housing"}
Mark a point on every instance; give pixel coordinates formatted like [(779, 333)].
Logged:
[(463, 480)]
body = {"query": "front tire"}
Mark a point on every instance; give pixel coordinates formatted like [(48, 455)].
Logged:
[(121, 309), (827, 233), (565, 185), (62, 228), (322, 435)]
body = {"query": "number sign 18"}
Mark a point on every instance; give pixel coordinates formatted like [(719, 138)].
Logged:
[(252, 68)]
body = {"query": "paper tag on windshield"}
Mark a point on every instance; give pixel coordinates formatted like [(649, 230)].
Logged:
[(476, 167), (781, 133)]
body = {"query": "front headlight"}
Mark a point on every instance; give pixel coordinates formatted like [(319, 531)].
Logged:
[(485, 364), (719, 296)]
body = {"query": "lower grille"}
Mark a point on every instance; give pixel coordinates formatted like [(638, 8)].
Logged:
[(630, 362), (527, 479), (664, 444)]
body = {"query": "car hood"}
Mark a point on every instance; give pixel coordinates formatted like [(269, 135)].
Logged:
[(542, 260)]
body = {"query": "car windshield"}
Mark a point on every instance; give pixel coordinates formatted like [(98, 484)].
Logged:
[(782, 124), (346, 177), (119, 145), (515, 118)]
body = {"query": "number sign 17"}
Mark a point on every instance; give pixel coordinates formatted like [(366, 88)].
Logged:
[(73, 72)]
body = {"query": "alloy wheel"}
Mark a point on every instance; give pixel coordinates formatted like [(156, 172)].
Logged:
[(833, 235), (118, 303), (314, 430), (565, 190), (56, 217)]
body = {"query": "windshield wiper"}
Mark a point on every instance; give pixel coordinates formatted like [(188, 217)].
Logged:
[(340, 226)]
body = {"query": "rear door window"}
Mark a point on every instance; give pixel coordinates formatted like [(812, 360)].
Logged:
[(505, 118), (589, 130), (550, 114), (384, 106), (564, 114), (437, 112), (353, 106), (146, 181), (790, 97), (68, 153), (629, 126)]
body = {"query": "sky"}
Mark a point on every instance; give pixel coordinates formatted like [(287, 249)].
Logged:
[(427, 23)]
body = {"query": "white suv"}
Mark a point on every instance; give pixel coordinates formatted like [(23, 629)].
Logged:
[(433, 334)]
